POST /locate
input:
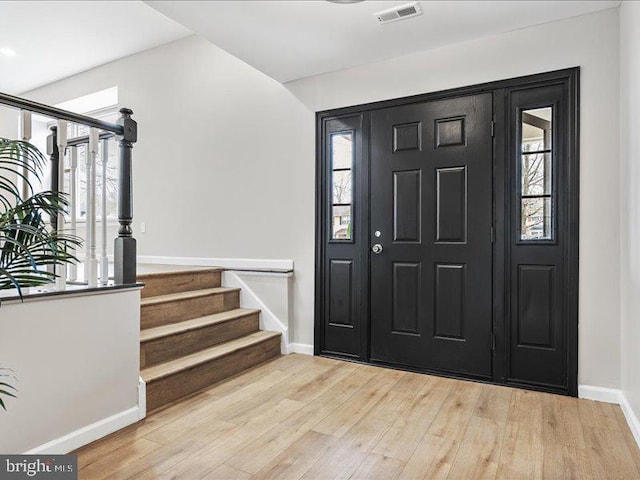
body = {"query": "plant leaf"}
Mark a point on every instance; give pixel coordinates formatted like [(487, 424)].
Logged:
[(4, 392), (27, 242)]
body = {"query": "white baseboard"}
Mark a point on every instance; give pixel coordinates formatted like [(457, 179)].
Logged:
[(88, 434), (229, 263), (302, 348), (600, 394), (142, 398), (613, 395), (632, 419)]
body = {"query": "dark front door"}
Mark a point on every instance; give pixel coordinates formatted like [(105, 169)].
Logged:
[(431, 232), (447, 232)]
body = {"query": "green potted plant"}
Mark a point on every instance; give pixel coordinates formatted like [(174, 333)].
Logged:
[(28, 245)]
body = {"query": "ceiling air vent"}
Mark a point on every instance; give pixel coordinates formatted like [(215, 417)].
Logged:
[(399, 13)]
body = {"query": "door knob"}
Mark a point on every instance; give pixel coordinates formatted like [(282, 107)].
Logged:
[(377, 249)]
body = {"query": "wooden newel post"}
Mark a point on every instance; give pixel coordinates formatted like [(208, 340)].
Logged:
[(54, 158), (125, 244)]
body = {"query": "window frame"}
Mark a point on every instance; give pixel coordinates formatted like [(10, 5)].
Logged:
[(330, 199), (553, 194)]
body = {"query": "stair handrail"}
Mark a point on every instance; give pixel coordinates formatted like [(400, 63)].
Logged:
[(59, 113), (126, 132)]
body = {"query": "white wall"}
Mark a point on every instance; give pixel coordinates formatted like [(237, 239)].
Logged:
[(590, 42), (271, 294), (224, 166), (77, 363), (8, 122), (630, 211), (273, 290), (225, 162)]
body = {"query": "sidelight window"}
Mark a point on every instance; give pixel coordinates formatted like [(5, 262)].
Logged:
[(536, 174), (341, 145)]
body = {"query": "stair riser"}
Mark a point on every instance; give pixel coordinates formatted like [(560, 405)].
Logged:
[(166, 390), (178, 345), (183, 282), (186, 309)]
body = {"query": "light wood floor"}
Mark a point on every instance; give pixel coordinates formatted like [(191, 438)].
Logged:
[(301, 417)]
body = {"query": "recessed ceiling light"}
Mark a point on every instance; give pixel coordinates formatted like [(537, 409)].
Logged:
[(8, 52)]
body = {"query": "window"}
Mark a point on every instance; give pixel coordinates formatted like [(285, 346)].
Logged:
[(104, 106), (341, 152), (74, 130), (536, 172)]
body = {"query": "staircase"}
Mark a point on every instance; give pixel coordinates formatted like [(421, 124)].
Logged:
[(194, 333)]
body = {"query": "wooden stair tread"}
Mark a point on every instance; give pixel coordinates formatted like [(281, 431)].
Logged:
[(172, 367), (171, 297), (148, 334), (154, 275)]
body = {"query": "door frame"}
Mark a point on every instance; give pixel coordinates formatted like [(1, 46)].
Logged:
[(501, 89)]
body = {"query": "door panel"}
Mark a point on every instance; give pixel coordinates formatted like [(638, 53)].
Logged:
[(431, 201), (405, 297), (345, 214), (535, 316), (537, 237), (450, 295), (406, 205), (451, 205), (341, 293)]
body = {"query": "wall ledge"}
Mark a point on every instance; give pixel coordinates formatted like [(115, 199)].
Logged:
[(251, 264), (43, 293)]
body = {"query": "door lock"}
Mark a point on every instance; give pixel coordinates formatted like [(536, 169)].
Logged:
[(377, 249)]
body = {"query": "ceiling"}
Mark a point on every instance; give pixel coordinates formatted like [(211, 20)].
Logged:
[(56, 39), (287, 39), (292, 39)]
